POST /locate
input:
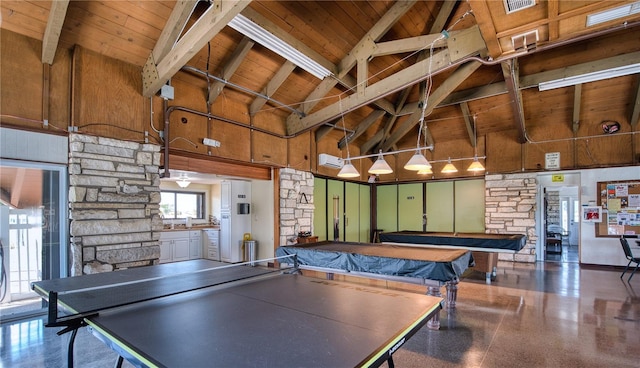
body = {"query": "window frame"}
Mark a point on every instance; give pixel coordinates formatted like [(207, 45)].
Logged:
[(201, 207)]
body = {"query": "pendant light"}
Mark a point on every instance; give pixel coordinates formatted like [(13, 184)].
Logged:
[(380, 166), (475, 165), (417, 162), (425, 171), (348, 170), (183, 182), (449, 168)]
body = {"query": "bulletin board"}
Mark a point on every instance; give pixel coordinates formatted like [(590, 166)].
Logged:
[(620, 202)]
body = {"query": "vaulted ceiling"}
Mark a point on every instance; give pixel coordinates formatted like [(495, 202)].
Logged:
[(451, 64)]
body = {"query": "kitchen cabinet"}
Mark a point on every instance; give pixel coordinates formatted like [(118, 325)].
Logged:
[(211, 244), (178, 246), (195, 244)]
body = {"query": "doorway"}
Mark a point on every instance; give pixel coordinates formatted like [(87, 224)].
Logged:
[(562, 224), (32, 232)]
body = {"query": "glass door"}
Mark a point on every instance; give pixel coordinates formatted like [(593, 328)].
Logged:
[(33, 223)]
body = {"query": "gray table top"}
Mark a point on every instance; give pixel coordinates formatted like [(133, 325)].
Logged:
[(268, 320)]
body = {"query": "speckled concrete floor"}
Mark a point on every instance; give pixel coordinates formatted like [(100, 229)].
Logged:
[(532, 315)]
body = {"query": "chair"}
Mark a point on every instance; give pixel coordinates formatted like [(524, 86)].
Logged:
[(629, 256)]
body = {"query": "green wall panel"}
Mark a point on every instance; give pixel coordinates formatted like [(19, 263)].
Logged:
[(320, 208), (440, 206), (469, 206), (335, 188), (410, 202), (351, 212), (365, 213), (387, 207)]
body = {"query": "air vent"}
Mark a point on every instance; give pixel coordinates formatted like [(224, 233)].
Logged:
[(526, 41), (514, 5)]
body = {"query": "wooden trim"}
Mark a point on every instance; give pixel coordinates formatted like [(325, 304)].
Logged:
[(52, 32), (182, 160)]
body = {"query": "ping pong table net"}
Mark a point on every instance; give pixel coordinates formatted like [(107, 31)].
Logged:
[(70, 307)]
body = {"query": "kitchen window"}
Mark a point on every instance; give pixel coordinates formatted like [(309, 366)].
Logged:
[(180, 205)]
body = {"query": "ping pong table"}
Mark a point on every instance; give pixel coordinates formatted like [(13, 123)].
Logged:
[(204, 313), (430, 267), (484, 247)]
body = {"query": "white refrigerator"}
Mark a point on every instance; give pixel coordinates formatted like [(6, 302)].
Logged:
[(235, 213)]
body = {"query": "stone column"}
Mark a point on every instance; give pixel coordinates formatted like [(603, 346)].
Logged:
[(114, 197), (296, 204)]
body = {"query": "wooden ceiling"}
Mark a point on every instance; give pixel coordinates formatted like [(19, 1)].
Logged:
[(479, 64)]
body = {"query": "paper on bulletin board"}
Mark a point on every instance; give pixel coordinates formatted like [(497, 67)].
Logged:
[(614, 205), (622, 190), (634, 200), (616, 230)]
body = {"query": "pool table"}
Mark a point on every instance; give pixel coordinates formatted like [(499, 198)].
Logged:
[(485, 247), (426, 266)]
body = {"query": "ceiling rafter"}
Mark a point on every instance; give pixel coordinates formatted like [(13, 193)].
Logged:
[(635, 105), (362, 127), (274, 83), (230, 67), (156, 73), (510, 71), (391, 120), (346, 64), (463, 43), (458, 76), (57, 13), (173, 28), (471, 130), (577, 98)]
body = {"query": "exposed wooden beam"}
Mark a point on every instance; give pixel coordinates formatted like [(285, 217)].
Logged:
[(17, 186), (488, 30), (274, 83), (177, 21), (635, 105), (52, 31), (510, 72), (464, 107), (391, 120), (464, 42), (408, 44), (460, 75), (362, 127), (553, 10), (346, 64), (577, 97), (230, 67), (156, 73), (322, 131)]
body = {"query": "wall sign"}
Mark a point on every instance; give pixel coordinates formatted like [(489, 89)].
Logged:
[(552, 160), (559, 178)]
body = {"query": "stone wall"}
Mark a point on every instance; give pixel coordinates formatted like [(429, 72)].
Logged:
[(114, 196), (510, 202), (296, 204), (553, 207)]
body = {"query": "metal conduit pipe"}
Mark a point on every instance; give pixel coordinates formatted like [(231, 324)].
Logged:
[(242, 89)]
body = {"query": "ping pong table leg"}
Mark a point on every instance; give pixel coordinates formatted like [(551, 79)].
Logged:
[(119, 362)]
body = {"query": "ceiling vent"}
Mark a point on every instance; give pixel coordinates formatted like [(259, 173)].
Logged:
[(515, 5), (526, 41)]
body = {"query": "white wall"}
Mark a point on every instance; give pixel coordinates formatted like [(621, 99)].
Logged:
[(262, 217), (602, 251)]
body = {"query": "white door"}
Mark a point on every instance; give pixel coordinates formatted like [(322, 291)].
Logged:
[(570, 218)]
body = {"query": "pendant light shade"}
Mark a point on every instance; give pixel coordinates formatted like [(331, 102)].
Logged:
[(449, 168), (348, 170), (183, 183), (425, 171), (380, 166), (417, 162), (475, 165)]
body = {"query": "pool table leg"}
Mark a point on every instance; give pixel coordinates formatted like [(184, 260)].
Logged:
[(434, 322), (452, 293)]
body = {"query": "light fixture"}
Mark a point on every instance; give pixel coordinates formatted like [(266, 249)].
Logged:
[(475, 165), (183, 183), (612, 14), (260, 35), (449, 167), (590, 77), (417, 162), (425, 171), (348, 170), (380, 166)]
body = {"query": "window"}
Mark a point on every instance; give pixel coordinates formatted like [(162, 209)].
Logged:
[(176, 205)]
